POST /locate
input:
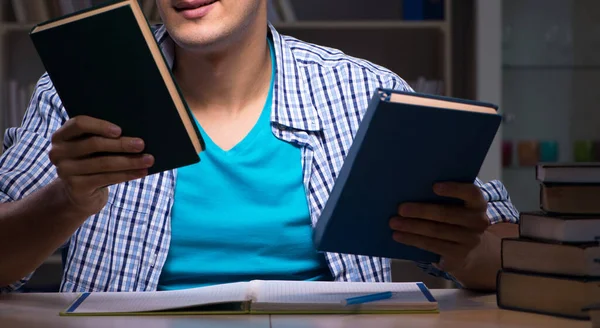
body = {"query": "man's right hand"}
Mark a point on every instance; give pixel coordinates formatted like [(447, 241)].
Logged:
[(90, 154)]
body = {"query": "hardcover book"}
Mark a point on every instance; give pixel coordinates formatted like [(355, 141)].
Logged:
[(104, 62), (260, 297), (405, 143)]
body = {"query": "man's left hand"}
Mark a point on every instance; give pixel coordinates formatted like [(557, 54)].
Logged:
[(452, 231)]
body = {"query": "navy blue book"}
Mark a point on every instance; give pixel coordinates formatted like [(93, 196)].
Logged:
[(422, 10), (405, 144)]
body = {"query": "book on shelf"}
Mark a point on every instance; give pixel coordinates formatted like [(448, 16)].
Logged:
[(36, 11), (278, 11), (30, 11), (360, 10), (285, 10), (427, 86), (18, 94), (273, 12), (553, 267), (149, 8), (344, 10), (132, 88), (260, 297), (423, 9), (405, 143)]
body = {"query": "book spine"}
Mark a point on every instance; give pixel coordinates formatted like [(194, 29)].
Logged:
[(325, 217), (412, 10), (503, 304), (445, 98), (422, 10), (592, 261)]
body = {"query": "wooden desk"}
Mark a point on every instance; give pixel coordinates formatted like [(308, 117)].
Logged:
[(457, 309)]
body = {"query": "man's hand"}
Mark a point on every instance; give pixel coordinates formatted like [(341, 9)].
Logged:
[(452, 231), (90, 154)]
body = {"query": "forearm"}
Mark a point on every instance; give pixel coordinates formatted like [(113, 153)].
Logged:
[(31, 229), (484, 261)]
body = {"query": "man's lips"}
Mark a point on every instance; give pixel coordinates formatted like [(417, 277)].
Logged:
[(192, 4)]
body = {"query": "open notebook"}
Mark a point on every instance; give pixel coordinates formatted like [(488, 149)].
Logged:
[(259, 297)]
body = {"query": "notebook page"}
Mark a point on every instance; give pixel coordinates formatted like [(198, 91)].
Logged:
[(322, 292), (119, 302)]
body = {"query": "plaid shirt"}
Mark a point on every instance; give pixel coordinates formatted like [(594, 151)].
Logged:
[(320, 96)]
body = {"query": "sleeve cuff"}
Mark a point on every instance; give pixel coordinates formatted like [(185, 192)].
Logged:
[(14, 287), (432, 270)]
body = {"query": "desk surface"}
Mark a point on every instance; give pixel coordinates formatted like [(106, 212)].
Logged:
[(457, 309)]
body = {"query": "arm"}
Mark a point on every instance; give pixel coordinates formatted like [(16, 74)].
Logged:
[(466, 236), (484, 261), (25, 168), (32, 228), (49, 183)]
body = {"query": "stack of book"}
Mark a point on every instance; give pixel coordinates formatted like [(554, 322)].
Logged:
[(553, 267)]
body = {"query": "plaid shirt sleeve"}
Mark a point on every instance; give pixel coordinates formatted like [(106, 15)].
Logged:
[(24, 164), (500, 207)]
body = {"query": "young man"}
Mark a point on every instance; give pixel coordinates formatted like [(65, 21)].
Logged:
[(278, 115)]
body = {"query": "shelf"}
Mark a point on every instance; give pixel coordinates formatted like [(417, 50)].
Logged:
[(24, 27), (425, 59), (361, 24), (551, 67), (54, 259), (13, 26), (517, 167)]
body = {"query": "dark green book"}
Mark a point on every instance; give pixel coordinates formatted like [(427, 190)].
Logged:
[(105, 63)]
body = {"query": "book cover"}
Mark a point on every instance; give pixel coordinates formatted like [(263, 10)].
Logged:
[(568, 173), (399, 152), (546, 257), (548, 294), (105, 63), (260, 297), (548, 227)]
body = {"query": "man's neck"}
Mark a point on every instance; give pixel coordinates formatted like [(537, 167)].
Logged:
[(226, 81)]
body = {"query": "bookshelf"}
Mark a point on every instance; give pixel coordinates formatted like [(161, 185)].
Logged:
[(434, 56), (550, 69), (420, 51)]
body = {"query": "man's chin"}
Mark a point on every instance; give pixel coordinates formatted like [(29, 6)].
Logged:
[(197, 38)]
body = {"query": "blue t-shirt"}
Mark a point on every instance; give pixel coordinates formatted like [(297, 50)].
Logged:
[(242, 214)]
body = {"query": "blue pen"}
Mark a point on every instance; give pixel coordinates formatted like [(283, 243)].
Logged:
[(367, 298)]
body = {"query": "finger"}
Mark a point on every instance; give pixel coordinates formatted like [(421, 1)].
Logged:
[(82, 125), (95, 144), (437, 230), (84, 183), (468, 192), (442, 247), (450, 214), (104, 164)]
